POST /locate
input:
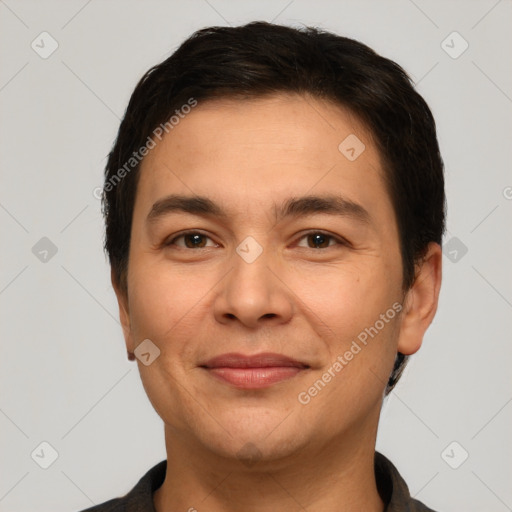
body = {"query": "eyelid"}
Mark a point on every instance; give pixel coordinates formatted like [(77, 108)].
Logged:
[(174, 237), (340, 240)]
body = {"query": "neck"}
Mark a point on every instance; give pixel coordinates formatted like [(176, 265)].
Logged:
[(338, 476)]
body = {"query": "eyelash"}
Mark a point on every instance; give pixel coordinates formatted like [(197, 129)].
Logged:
[(340, 241)]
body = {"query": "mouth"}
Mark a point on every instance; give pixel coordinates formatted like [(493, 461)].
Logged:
[(253, 372)]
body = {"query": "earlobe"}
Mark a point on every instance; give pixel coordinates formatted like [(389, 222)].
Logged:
[(421, 301), (124, 315)]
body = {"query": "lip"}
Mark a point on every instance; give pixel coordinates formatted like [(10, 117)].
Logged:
[(262, 360), (255, 371)]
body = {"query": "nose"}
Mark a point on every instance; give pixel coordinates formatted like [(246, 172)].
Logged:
[(253, 294)]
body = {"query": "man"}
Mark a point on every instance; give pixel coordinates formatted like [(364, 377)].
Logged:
[(274, 209)]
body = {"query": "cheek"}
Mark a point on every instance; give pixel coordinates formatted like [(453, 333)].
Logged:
[(169, 307), (158, 299), (347, 296), (354, 310)]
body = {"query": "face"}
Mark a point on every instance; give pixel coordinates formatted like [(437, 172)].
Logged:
[(290, 247)]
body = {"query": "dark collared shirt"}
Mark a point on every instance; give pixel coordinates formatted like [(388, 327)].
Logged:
[(392, 489)]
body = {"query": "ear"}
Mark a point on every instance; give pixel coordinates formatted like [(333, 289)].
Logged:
[(421, 300), (124, 315)]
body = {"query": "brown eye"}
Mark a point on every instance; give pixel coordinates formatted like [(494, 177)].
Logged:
[(191, 240), (319, 240)]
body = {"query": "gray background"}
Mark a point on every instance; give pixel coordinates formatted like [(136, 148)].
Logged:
[(64, 375)]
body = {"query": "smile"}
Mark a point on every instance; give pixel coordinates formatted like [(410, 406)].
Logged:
[(253, 371)]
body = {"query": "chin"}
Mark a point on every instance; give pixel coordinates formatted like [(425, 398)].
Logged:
[(255, 451), (256, 438)]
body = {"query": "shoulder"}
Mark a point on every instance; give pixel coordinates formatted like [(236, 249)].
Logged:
[(140, 498), (393, 489), (114, 505)]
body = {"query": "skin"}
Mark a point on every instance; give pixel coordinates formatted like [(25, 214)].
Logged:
[(296, 299)]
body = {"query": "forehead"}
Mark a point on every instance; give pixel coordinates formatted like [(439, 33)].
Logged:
[(287, 125), (263, 149)]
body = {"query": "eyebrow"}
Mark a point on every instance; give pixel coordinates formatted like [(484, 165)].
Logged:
[(292, 207)]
